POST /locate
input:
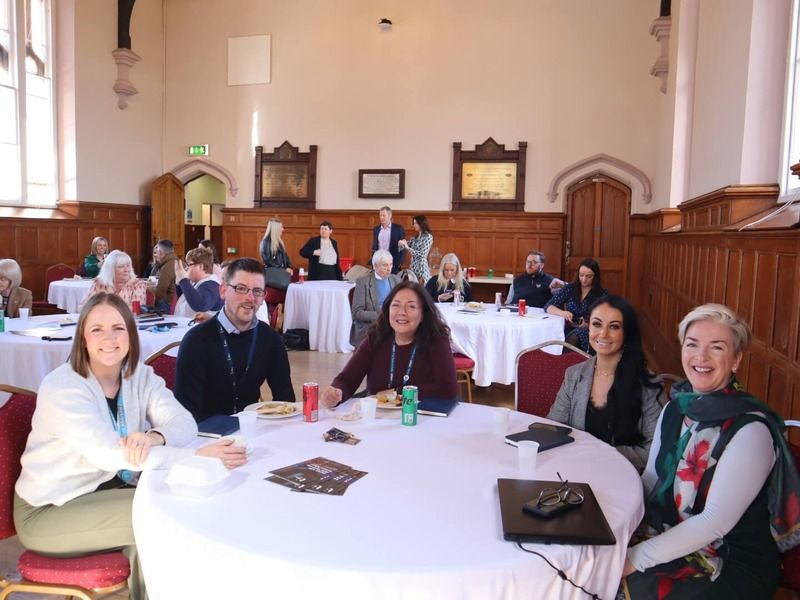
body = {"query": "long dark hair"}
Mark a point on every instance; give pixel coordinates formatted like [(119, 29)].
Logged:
[(631, 376), (422, 221), (430, 328), (597, 287)]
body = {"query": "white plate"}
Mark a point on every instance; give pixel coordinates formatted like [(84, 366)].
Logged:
[(298, 410), (389, 406)]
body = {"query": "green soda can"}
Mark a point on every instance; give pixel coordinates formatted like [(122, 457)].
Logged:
[(2, 320), (410, 405)]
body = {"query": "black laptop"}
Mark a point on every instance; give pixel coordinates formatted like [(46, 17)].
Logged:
[(585, 525)]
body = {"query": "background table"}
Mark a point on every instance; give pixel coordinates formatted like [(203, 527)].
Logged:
[(493, 342), (68, 294), (484, 288), (26, 360), (322, 307), (423, 523)]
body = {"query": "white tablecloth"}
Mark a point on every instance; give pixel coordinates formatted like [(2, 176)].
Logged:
[(26, 360), (322, 307), (423, 523), (494, 342), (67, 294)]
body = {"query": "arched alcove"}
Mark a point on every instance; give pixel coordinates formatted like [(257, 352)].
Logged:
[(195, 167), (633, 177)]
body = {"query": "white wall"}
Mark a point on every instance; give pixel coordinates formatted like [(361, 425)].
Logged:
[(117, 152), (569, 77)]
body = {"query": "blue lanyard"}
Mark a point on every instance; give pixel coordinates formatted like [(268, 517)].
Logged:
[(392, 361), (120, 424), (231, 371)]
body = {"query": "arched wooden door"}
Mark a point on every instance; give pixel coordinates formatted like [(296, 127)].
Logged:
[(167, 206), (598, 213)]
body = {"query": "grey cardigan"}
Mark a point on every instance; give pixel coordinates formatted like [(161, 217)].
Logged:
[(573, 398)]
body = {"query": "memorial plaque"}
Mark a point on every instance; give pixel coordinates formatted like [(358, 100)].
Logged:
[(284, 181), (381, 183), (491, 181)]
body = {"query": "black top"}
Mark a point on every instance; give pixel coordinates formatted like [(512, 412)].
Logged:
[(280, 259), (432, 287), (597, 422), (307, 251), (203, 382), (535, 290)]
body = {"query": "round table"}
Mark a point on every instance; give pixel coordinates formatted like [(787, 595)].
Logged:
[(494, 341), (68, 294), (322, 307), (26, 360), (423, 523)]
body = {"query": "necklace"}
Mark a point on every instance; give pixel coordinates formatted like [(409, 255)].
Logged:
[(605, 373)]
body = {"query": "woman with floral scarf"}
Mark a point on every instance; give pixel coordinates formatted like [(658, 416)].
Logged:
[(721, 486)]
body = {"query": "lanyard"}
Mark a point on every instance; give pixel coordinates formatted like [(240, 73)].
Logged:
[(120, 424), (410, 364), (231, 371)]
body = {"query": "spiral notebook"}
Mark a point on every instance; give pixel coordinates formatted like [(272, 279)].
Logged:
[(585, 525)]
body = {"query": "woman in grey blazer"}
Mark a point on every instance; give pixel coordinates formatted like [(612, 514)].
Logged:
[(613, 395)]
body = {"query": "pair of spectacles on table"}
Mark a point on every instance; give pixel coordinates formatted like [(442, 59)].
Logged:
[(564, 494)]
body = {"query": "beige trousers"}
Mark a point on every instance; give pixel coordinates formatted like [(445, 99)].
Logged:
[(90, 523)]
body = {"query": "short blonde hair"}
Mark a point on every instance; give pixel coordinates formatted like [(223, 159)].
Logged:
[(9, 268), (718, 313)]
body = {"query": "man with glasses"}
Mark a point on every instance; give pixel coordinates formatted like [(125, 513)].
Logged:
[(223, 361), (534, 285)]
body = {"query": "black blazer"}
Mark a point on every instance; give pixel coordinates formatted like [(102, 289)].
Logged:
[(396, 234), (307, 251)]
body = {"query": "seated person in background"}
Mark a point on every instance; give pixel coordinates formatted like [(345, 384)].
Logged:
[(574, 299), (150, 269), (197, 285), (408, 345), (94, 260), (370, 292), (164, 269), (209, 245), (720, 485), (89, 438), (534, 285), (223, 361), (322, 253), (12, 296), (117, 277), (450, 278), (613, 395)]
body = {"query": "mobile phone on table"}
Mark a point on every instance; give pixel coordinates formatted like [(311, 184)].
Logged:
[(533, 507)]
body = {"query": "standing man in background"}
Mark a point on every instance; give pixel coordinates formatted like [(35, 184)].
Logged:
[(386, 237)]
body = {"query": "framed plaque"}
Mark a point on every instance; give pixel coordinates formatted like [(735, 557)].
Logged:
[(286, 177), (489, 177), (381, 183)]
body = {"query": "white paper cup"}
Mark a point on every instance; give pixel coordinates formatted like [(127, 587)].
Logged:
[(505, 312), (247, 423), (527, 452), (368, 406), (24, 313), (500, 420)]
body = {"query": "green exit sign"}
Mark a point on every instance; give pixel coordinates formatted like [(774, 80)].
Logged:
[(201, 150)]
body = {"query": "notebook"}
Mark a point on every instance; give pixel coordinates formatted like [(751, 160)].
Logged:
[(218, 426), (547, 438), (436, 407), (584, 525)]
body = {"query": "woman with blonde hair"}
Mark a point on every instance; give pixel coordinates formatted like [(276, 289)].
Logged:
[(117, 277), (12, 296), (450, 279), (93, 261), (274, 255)]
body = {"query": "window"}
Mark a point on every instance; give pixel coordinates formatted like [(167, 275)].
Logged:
[(790, 184), (27, 141)]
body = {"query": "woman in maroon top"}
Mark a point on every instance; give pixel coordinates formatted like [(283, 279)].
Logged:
[(409, 344)]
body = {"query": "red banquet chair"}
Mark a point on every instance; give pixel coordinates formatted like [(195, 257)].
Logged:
[(163, 365), (53, 273), (86, 577), (464, 366), (539, 376)]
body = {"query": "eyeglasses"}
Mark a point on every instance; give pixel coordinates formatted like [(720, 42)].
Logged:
[(243, 290), (532, 262), (188, 264), (564, 494)]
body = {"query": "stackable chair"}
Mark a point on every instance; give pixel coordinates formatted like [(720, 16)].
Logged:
[(54, 273), (539, 376), (163, 365), (86, 577), (464, 366)]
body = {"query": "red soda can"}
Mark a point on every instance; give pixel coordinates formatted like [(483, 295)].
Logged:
[(473, 271), (310, 402), (136, 306), (522, 307)]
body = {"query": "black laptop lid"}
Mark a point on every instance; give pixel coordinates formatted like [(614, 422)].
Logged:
[(584, 525)]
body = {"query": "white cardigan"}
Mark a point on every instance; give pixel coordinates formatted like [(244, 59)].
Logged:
[(73, 446)]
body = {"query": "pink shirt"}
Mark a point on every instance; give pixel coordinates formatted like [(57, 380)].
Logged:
[(384, 236)]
